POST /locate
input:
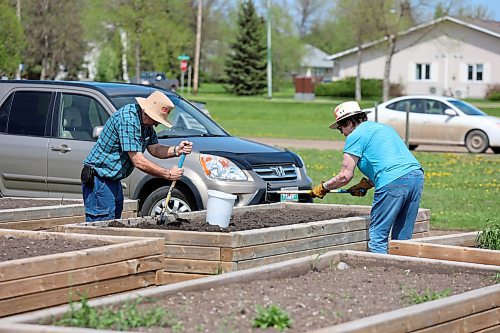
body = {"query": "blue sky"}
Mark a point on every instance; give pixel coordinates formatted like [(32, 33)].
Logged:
[(492, 5)]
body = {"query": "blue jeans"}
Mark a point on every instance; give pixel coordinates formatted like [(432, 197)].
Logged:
[(104, 200), (395, 206)]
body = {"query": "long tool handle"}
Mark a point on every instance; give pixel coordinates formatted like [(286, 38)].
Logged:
[(169, 194), (307, 191)]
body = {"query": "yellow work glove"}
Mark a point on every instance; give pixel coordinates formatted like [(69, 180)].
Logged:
[(319, 191), (360, 189)]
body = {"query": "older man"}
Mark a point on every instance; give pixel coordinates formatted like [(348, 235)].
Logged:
[(120, 147)]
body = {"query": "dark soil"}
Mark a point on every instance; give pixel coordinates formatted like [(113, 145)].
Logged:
[(255, 219), (14, 247), (12, 203), (312, 301)]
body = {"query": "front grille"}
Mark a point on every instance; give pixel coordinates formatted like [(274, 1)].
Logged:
[(276, 172)]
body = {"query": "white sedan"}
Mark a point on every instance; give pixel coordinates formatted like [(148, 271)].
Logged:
[(440, 121)]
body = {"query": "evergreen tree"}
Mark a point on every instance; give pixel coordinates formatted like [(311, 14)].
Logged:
[(246, 63)]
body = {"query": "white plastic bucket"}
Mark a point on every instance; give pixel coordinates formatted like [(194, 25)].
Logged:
[(219, 208)]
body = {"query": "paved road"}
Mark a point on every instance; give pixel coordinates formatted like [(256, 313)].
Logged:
[(339, 145)]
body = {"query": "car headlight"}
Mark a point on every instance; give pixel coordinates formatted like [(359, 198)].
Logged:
[(220, 168)]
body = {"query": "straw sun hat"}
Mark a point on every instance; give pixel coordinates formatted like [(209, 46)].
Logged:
[(345, 110), (157, 106)]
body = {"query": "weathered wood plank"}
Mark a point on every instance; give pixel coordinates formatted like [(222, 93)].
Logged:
[(23, 268), (472, 323), (297, 231), (61, 296), (55, 211), (296, 245), (163, 277), (76, 277), (445, 252), (174, 237), (192, 252), (246, 264), (198, 266), (461, 239)]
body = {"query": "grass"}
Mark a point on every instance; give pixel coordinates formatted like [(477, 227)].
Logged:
[(489, 237), (414, 297), (124, 318), (461, 190), (271, 316)]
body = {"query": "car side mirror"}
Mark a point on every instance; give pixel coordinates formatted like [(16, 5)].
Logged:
[(96, 131), (450, 112)]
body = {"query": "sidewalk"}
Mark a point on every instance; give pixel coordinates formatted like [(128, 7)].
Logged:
[(339, 145)]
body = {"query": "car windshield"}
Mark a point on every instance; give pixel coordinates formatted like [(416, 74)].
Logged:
[(186, 120), (467, 108)]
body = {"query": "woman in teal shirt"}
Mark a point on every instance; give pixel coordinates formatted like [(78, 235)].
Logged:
[(380, 154)]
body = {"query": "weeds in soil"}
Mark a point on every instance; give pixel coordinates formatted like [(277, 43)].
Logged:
[(427, 295), (489, 237), (271, 316), (219, 270), (126, 317), (496, 278)]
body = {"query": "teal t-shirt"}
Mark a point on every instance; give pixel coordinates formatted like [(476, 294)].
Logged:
[(383, 156)]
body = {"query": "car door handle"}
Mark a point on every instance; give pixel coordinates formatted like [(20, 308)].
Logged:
[(62, 148)]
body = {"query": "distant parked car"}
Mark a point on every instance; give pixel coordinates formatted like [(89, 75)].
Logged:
[(435, 120), (47, 128), (158, 79)]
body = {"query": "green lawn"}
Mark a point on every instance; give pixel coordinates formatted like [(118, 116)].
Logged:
[(282, 116), (461, 190)]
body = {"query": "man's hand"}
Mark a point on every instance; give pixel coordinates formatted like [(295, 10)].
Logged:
[(185, 147), (360, 189), (319, 191), (175, 173)]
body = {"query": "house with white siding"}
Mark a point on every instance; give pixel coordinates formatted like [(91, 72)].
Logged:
[(446, 56)]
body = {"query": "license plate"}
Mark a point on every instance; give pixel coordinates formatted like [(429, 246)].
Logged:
[(294, 197)]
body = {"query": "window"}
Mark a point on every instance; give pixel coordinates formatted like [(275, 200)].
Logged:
[(423, 72), (434, 107), (78, 116), (4, 114), (28, 114), (475, 72)]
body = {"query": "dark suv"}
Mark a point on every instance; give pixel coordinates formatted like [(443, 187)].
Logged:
[(47, 128)]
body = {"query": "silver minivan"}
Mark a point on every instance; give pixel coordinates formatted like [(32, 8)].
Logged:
[(47, 128)]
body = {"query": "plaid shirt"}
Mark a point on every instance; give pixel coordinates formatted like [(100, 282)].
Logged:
[(122, 133)]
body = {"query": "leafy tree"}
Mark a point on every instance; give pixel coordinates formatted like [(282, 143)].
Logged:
[(108, 65), (287, 48), (359, 33), (246, 63), (54, 37), (11, 37)]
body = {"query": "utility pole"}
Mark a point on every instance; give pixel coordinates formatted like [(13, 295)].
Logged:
[(18, 14), (269, 61), (197, 49)]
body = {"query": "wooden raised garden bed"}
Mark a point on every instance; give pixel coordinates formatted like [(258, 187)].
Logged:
[(50, 215), (309, 289), (194, 254), (117, 264), (457, 247)]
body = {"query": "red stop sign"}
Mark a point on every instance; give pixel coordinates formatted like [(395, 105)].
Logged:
[(184, 65)]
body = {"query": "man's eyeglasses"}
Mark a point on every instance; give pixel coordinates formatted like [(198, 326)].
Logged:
[(340, 125)]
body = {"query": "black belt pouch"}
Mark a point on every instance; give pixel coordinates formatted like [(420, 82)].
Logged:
[(87, 176)]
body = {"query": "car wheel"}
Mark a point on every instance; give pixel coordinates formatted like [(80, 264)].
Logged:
[(412, 147), (496, 150), (155, 202), (476, 141)]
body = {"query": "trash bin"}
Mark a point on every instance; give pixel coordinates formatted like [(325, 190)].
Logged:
[(304, 88)]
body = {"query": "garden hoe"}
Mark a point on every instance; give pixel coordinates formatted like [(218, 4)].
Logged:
[(163, 217), (300, 192)]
